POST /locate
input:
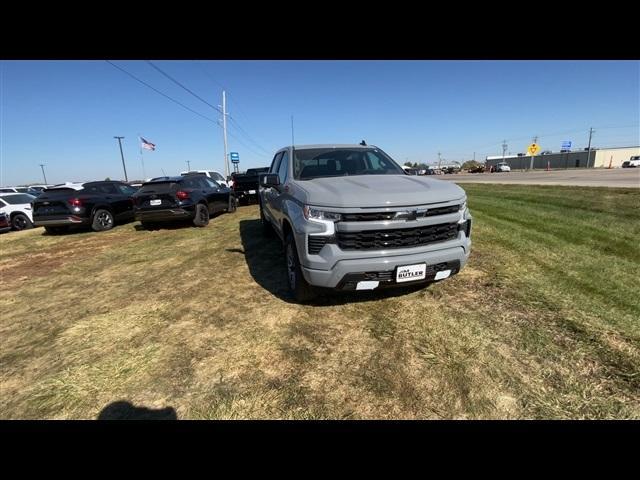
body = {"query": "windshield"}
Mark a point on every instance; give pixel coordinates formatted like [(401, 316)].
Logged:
[(216, 176), (336, 162), (19, 199)]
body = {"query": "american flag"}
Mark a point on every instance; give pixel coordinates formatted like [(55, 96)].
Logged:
[(147, 145)]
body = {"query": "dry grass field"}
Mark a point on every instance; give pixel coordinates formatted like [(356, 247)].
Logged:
[(543, 323)]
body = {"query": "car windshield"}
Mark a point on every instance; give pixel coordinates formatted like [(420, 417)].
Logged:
[(19, 198), (216, 176), (336, 162)]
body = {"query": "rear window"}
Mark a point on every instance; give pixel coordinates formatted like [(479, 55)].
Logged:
[(255, 171), (101, 188), (19, 198), (158, 187)]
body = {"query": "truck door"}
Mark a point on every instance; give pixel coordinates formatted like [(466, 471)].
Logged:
[(278, 195), (269, 192)]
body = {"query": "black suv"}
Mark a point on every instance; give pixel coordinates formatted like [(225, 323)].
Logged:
[(99, 204), (191, 197)]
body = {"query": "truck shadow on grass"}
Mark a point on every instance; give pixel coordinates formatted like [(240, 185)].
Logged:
[(123, 410), (266, 262)]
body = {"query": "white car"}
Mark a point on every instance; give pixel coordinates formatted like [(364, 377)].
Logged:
[(632, 162), (212, 175), (17, 206), (503, 167)]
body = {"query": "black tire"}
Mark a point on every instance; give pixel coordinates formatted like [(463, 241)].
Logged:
[(102, 220), (232, 204), (301, 290), (56, 230), (201, 217), (267, 229), (21, 222)]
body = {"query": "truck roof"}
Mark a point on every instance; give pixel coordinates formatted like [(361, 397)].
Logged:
[(329, 145)]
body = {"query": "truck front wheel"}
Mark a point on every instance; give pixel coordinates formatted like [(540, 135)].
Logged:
[(301, 290)]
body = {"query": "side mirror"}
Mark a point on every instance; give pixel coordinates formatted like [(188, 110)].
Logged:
[(270, 180)]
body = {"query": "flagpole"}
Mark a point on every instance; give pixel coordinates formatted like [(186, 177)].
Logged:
[(144, 174)]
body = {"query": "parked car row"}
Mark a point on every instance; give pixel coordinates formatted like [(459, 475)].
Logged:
[(100, 205)]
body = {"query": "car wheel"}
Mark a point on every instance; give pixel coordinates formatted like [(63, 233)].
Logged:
[(267, 229), (55, 230), (21, 222), (102, 220), (201, 218), (301, 290)]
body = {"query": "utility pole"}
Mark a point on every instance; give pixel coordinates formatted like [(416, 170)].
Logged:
[(504, 149), (589, 147), (43, 175), (122, 155), (535, 140), (224, 132), (188, 166), (439, 160)]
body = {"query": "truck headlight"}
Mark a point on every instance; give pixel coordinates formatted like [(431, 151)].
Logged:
[(463, 206), (312, 213)]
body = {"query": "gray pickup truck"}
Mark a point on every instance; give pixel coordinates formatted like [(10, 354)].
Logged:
[(350, 218)]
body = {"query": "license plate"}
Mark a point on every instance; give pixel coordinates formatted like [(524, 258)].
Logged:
[(252, 192), (155, 202), (409, 273)]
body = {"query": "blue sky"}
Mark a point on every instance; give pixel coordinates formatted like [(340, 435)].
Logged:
[(65, 113)]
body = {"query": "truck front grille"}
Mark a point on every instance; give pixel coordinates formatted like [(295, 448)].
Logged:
[(397, 238), (381, 216)]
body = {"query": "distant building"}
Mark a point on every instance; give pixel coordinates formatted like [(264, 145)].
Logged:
[(598, 158)]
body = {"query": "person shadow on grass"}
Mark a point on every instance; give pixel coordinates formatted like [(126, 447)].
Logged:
[(122, 410)]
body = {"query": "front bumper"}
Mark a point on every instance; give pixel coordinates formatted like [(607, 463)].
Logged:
[(60, 221), (345, 272), (164, 215)]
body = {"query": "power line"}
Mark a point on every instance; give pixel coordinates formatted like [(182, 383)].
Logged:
[(158, 91), (235, 122), (246, 134), (210, 77), (182, 86), (248, 147)]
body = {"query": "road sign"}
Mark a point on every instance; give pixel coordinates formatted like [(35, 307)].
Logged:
[(566, 145), (235, 160), (234, 156), (533, 149)]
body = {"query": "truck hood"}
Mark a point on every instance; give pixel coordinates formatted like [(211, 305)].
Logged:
[(378, 191)]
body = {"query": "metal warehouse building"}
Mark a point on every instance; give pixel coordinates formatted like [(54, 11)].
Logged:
[(598, 158)]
